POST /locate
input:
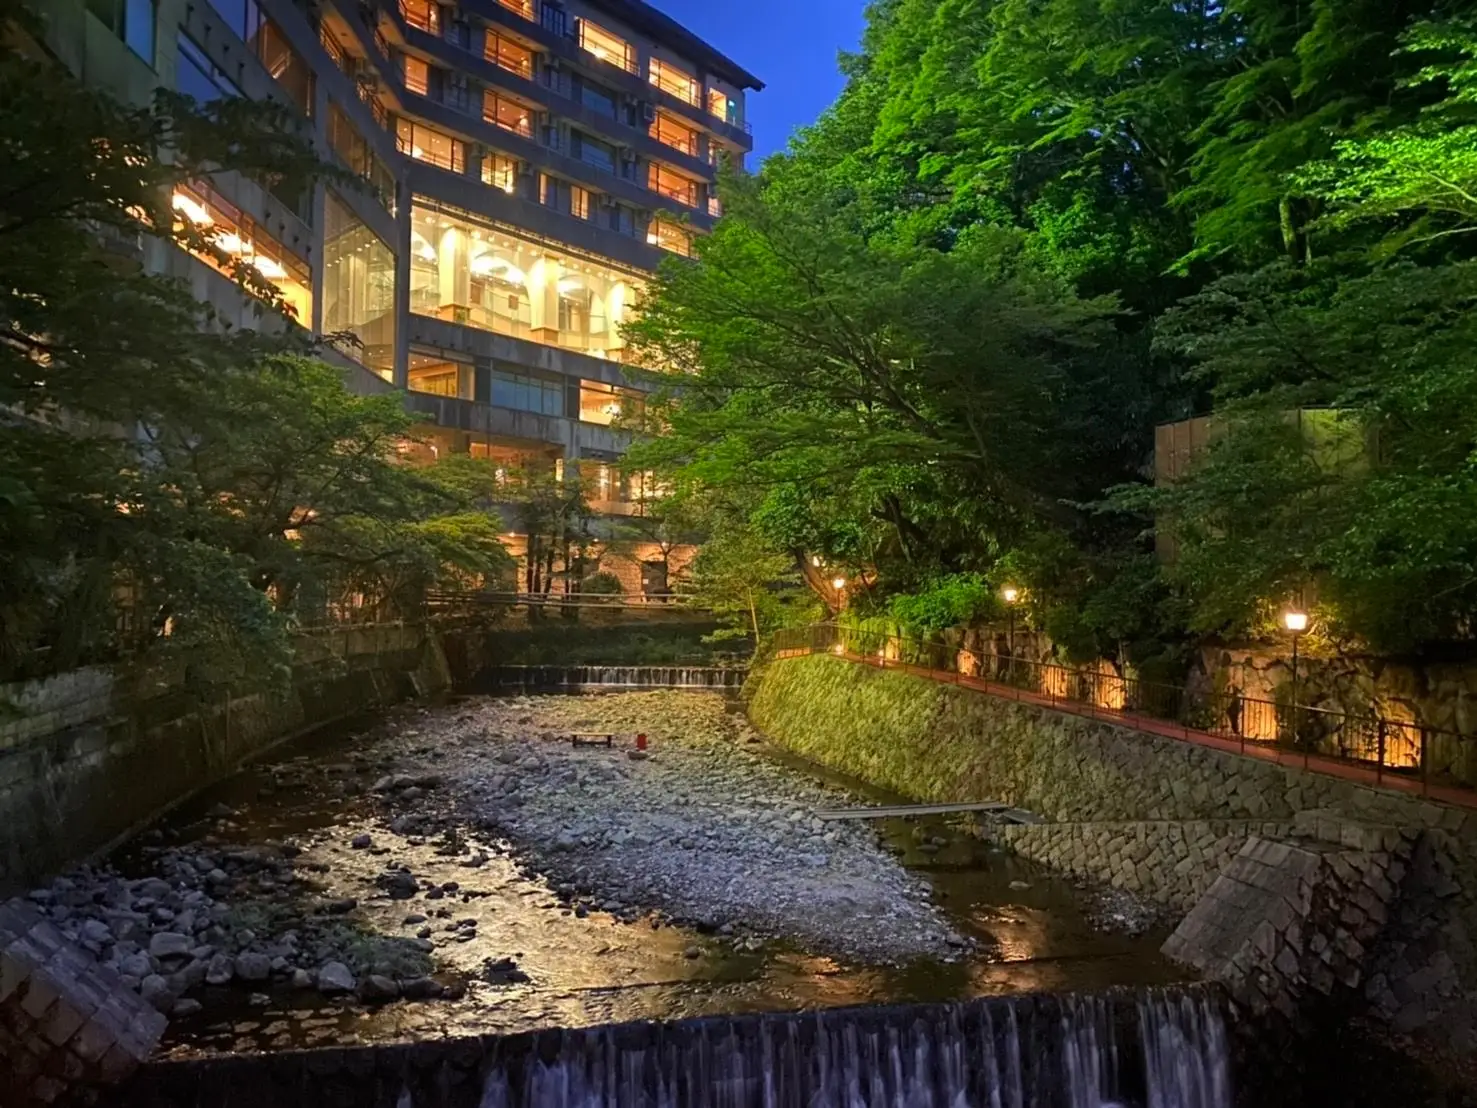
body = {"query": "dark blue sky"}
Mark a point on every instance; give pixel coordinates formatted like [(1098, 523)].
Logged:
[(790, 45)]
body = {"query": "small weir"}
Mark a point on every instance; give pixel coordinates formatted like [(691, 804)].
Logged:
[(547, 678), (1148, 1048)]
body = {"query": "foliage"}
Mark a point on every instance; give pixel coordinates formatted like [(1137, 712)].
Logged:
[(171, 483), (747, 587), (602, 584), (949, 601)]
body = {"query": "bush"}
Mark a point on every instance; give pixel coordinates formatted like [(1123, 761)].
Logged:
[(602, 584), (950, 601)]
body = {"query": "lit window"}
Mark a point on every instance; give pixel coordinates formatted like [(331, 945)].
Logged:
[(669, 236), (359, 287), (606, 46), (670, 79), (439, 375), (669, 132), (672, 185), (500, 171), (241, 242), (721, 105), (428, 145), (507, 114), (422, 14), (604, 404), (510, 55), (579, 202), (285, 65), (522, 7), (715, 207), (417, 75)]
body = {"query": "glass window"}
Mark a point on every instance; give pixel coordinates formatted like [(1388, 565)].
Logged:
[(527, 392), (507, 114), (500, 171), (439, 374), (669, 132), (579, 202), (597, 99), (241, 241), (672, 185), (359, 286), (242, 16), (417, 74), (606, 46), (422, 14), (427, 144), (487, 275), (285, 65), (512, 56), (720, 104), (198, 76), (357, 154), (670, 79), (133, 21), (592, 151), (521, 7), (669, 236), (604, 404)]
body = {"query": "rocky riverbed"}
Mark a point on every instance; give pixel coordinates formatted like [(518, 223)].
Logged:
[(474, 850)]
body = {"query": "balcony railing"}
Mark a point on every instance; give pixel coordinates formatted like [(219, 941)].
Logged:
[(523, 8)]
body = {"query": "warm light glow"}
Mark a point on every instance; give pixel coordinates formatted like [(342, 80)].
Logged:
[(839, 583), (838, 649), (268, 268), (1295, 621), (193, 210), (569, 284), (1010, 593), (815, 560)]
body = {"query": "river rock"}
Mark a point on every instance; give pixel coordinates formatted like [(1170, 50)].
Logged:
[(220, 970), (138, 965), (377, 989), (253, 967), (302, 979), (155, 991), (170, 944), (361, 841), (185, 1007), (420, 988), (334, 977)]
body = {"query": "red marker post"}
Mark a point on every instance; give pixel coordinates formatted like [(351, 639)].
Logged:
[(640, 742)]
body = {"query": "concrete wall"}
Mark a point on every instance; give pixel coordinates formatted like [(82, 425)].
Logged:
[(87, 756), (1111, 795)]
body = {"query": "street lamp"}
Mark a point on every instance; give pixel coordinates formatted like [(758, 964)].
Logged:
[(1296, 622), (839, 583), (1010, 594)]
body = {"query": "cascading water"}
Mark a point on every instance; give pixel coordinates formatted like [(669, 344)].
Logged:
[(1153, 1049), (616, 677)]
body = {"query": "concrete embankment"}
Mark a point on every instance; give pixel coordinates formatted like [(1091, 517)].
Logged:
[(1163, 819)]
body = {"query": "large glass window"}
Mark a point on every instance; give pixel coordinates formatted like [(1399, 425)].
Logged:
[(527, 392), (196, 75), (435, 372), (512, 56), (669, 236), (597, 99), (417, 74), (500, 171), (604, 404), (286, 66), (359, 156), (668, 78), (133, 21), (422, 14), (511, 115), (427, 144), (722, 105), (486, 275), (359, 286), (606, 46), (592, 151), (238, 237), (672, 185), (669, 132)]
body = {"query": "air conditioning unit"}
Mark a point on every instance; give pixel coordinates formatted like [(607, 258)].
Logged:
[(607, 202), (648, 112)]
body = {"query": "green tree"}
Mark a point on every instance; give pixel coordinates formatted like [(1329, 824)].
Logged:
[(745, 584)]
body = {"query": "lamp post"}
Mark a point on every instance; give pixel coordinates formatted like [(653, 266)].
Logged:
[(1296, 622), (1010, 594)]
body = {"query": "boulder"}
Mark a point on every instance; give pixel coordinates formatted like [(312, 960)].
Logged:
[(253, 967), (334, 977), (171, 944), (377, 989)]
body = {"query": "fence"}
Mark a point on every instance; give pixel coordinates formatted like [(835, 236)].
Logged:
[(1396, 749)]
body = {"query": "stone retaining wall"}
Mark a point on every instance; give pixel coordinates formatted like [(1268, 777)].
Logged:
[(1171, 863), (936, 742), (78, 772)]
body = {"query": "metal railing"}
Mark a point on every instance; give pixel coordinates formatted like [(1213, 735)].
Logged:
[(1404, 749), (452, 602)]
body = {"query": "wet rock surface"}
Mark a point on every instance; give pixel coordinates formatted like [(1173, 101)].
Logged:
[(467, 869)]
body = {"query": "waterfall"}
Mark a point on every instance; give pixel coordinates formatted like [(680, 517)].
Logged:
[(1156, 1049), (610, 677)]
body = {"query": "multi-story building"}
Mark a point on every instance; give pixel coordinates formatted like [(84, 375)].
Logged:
[(525, 164)]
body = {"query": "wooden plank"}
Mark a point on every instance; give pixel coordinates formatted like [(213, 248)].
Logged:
[(592, 738), (895, 811)]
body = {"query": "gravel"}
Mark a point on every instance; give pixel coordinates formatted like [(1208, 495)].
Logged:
[(706, 829)]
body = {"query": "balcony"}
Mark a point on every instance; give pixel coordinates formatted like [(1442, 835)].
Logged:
[(674, 82), (509, 55), (510, 115), (610, 48), (672, 134)]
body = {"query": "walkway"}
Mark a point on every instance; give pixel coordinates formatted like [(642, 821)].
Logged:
[(1358, 773)]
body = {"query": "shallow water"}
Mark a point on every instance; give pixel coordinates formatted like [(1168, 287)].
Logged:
[(1032, 928)]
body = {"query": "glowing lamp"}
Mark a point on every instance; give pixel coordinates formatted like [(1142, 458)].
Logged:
[(1010, 593), (1295, 621), (839, 583)]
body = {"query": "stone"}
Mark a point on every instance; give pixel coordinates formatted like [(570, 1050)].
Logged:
[(361, 841), (171, 944), (377, 989), (186, 1007), (334, 977), (156, 991), (138, 965), (253, 967), (220, 970), (420, 988), (302, 979)]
